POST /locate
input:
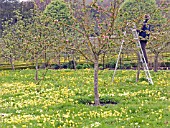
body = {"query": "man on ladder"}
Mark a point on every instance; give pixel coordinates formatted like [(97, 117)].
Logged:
[(141, 38), (144, 35)]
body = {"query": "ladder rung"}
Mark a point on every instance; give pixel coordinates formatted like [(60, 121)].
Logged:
[(145, 64), (133, 29), (150, 80), (146, 68)]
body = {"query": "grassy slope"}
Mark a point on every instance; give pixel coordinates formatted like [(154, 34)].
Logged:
[(59, 100)]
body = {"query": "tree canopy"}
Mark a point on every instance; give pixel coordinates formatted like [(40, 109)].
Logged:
[(59, 10), (134, 10), (8, 9)]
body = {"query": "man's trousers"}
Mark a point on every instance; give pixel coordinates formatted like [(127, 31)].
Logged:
[(143, 45)]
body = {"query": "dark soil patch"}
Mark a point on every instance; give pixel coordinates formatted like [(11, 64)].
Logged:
[(103, 103)]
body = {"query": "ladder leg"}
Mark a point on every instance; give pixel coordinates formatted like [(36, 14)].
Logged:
[(117, 60), (145, 67), (138, 67)]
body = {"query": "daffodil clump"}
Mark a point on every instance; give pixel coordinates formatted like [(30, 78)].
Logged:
[(65, 98)]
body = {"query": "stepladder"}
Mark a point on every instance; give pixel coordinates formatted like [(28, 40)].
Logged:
[(140, 55)]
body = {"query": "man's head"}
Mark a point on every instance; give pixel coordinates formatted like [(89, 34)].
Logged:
[(147, 16)]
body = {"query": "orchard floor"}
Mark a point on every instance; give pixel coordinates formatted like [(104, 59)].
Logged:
[(65, 100)]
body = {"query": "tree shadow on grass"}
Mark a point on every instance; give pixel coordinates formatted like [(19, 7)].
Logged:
[(104, 101)]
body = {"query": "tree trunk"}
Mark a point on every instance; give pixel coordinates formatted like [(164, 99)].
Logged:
[(57, 60), (74, 62), (45, 58), (156, 62), (138, 68), (65, 57), (120, 61), (96, 93), (11, 62), (59, 63), (104, 60), (36, 72)]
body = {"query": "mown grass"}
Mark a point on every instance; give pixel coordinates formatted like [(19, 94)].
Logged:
[(64, 99)]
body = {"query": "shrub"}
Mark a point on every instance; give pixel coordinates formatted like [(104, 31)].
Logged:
[(79, 66), (85, 65), (111, 64), (69, 65), (55, 66), (64, 65), (134, 64), (167, 64), (127, 66), (101, 67)]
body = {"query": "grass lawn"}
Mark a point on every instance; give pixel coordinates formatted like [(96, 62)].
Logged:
[(64, 100)]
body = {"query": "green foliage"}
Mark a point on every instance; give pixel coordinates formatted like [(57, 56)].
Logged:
[(111, 64), (8, 9), (11, 40), (127, 66), (79, 66), (134, 11), (59, 10), (167, 64), (41, 36), (85, 65), (65, 65), (69, 65), (55, 66)]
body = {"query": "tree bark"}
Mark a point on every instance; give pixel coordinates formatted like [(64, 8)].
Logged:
[(11, 62), (57, 60), (156, 62), (36, 72), (96, 93), (45, 57), (120, 61), (74, 62), (138, 68), (104, 60)]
